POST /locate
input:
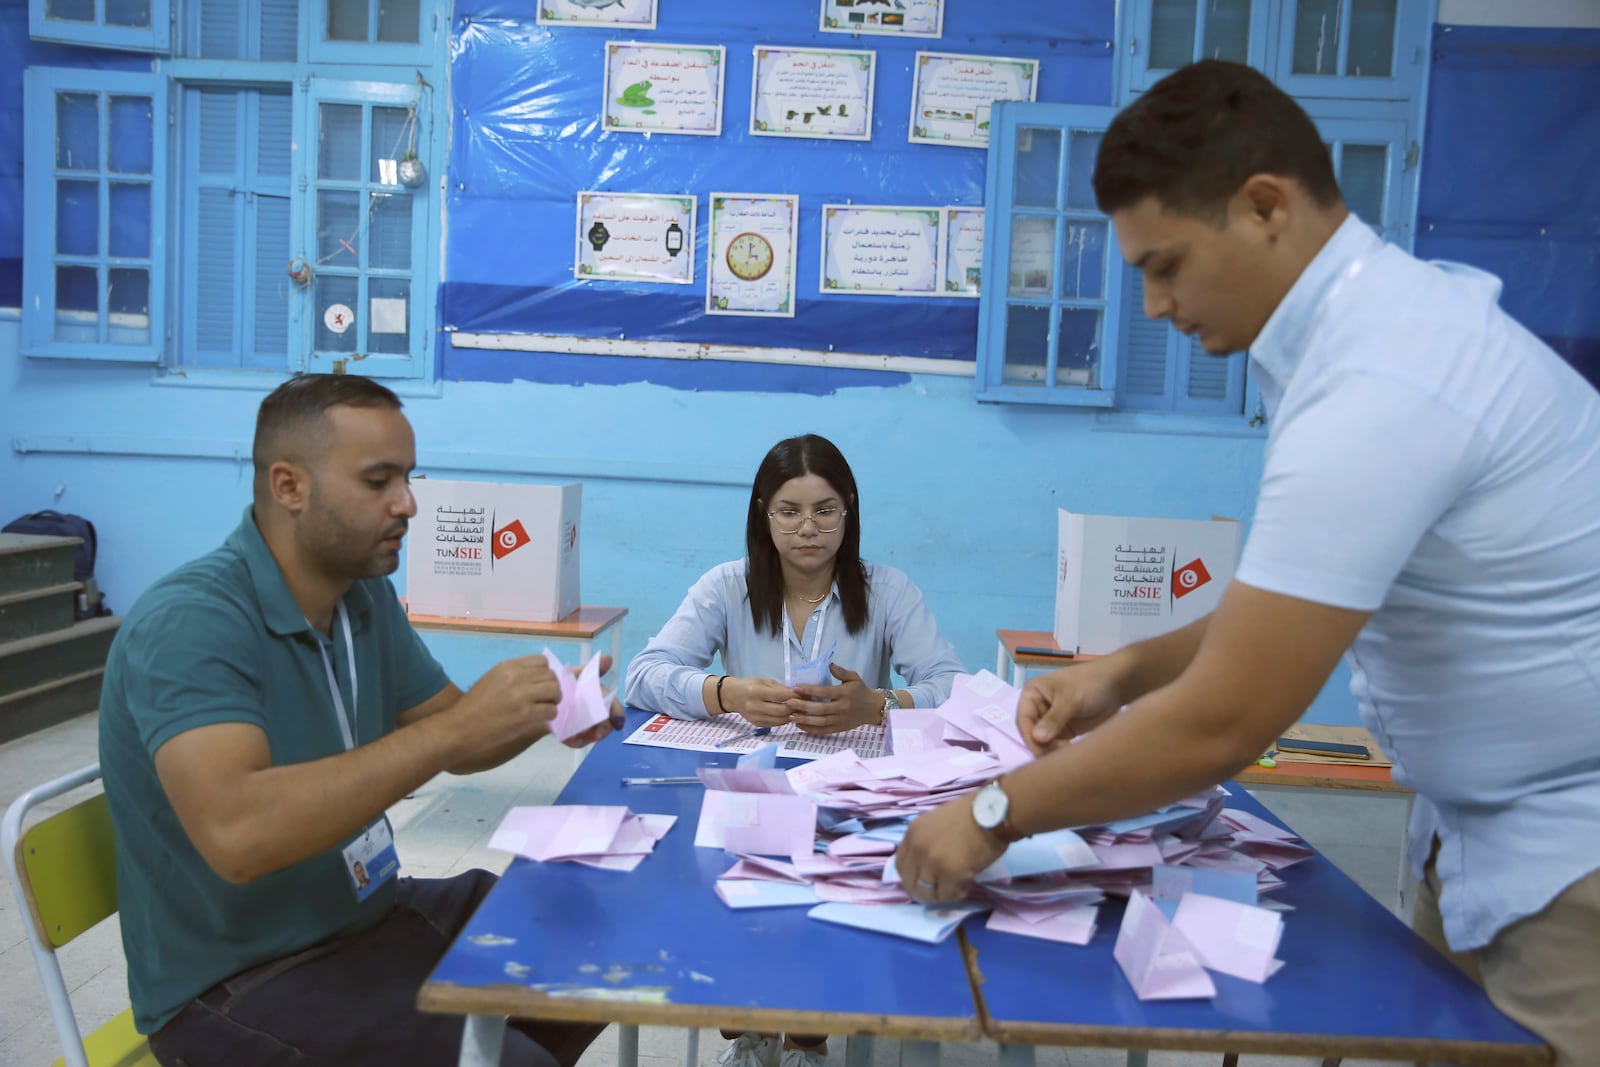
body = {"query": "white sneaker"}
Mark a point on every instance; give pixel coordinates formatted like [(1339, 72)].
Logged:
[(805, 1057), (750, 1050)]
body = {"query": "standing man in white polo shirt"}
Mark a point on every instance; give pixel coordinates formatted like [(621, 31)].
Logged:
[(1430, 508)]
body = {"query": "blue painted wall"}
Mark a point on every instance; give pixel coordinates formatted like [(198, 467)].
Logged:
[(961, 496)]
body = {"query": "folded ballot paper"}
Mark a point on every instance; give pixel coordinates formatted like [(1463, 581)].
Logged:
[(827, 831), (583, 703), (612, 838)]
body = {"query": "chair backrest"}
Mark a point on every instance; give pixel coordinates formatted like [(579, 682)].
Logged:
[(69, 870)]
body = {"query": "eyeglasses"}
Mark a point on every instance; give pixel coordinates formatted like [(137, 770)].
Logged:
[(791, 520)]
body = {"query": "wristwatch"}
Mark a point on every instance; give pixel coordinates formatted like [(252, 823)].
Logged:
[(991, 810), (890, 701)]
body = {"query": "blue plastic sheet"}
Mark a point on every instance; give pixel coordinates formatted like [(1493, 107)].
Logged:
[(528, 139)]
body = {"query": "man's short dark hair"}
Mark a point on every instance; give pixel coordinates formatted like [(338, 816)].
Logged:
[(1199, 133), (293, 412)]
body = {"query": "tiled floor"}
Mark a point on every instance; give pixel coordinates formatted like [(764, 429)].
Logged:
[(445, 827)]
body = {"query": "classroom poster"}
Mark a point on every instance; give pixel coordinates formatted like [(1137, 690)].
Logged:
[(633, 14), (642, 237), (1033, 255), (951, 95), (906, 18), (812, 92), (750, 259), (963, 251), (877, 250), (663, 88)]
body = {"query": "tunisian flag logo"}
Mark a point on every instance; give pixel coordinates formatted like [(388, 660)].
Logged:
[(1185, 579), (509, 538)]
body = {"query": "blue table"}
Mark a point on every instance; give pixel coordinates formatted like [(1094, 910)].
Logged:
[(1356, 982), (656, 947)]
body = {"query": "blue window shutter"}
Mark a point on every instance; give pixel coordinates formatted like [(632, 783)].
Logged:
[(280, 29), (1147, 367), (95, 234), (220, 33), (126, 25), (214, 182), (1212, 385), (270, 321)]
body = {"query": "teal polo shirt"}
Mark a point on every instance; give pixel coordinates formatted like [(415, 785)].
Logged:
[(222, 640)]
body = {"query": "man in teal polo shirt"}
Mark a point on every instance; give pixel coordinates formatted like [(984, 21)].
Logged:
[(262, 707)]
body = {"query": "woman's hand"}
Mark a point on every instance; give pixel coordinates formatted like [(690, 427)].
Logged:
[(832, 709), (760, 701)]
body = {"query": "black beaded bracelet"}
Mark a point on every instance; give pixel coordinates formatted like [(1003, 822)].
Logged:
[(720, 707)]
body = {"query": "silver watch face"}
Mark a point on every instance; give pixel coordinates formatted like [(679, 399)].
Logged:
[(989, 806)]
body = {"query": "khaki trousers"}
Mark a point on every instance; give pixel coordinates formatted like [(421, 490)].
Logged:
[(1542, 971)]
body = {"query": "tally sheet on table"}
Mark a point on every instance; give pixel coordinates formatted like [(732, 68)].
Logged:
[(722, 735)]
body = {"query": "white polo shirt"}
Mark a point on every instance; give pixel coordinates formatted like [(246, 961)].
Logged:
[(1432, 461)]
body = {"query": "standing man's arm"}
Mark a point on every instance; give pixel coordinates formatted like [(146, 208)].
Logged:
[(1260, 662)]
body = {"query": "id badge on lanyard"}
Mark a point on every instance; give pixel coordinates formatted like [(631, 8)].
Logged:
[(814, 671), (369, 859)]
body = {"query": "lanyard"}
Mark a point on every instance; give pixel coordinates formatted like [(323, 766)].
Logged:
[(347, 722), (789, 638)]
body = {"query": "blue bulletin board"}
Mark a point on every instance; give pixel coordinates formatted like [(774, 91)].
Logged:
[(528, 137)]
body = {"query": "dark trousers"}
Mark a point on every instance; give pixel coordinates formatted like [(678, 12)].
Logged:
[(353, 1002)]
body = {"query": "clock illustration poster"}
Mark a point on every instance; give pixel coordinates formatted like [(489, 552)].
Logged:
[(635, 237), (750, 258)]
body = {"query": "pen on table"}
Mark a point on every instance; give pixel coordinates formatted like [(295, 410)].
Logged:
[(686, 780), (759, 731)]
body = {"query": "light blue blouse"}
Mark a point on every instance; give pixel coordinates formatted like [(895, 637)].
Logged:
[(669, 675)]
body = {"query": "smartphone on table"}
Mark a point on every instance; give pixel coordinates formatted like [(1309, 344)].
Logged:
[(1334, 749)]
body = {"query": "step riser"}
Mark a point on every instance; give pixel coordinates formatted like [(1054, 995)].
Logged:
[(36, 666), (35, 709)]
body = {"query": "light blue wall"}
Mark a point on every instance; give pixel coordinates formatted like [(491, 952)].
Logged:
[(961, 496)]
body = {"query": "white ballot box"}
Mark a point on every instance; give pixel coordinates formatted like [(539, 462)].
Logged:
[(493, 550), (1121, 580)]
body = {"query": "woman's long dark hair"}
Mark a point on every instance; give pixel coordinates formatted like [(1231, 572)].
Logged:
[(796, 457)]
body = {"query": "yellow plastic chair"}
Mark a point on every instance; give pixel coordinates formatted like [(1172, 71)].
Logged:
[(64, 873)]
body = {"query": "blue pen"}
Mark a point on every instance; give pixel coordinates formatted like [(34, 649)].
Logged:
[(759, 731)]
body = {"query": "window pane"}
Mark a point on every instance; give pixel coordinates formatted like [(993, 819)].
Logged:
[(391, 135), (127, 12), (1371, 39), (338, 228), (339, 142), (1227, 30), (1083, 260), (398, 21), (347, 20), (1316, 37), (77, 131), (1171, 33), (1082, 147), (389, 228), (78, 218), (77, 304), (1033, 254), (389, 322), (1361, 179), (128, 295), (334, 307), (130, 221), (1078, 348), (131, 142), (70, 10), (1027, 345), (1038, 167)]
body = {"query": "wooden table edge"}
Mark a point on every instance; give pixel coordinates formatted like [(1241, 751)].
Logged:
[(518, 1000), (1321, 776), (1268, 1042), (586, 623)]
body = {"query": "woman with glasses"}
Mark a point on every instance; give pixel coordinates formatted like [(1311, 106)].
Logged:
[(801, 590)]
